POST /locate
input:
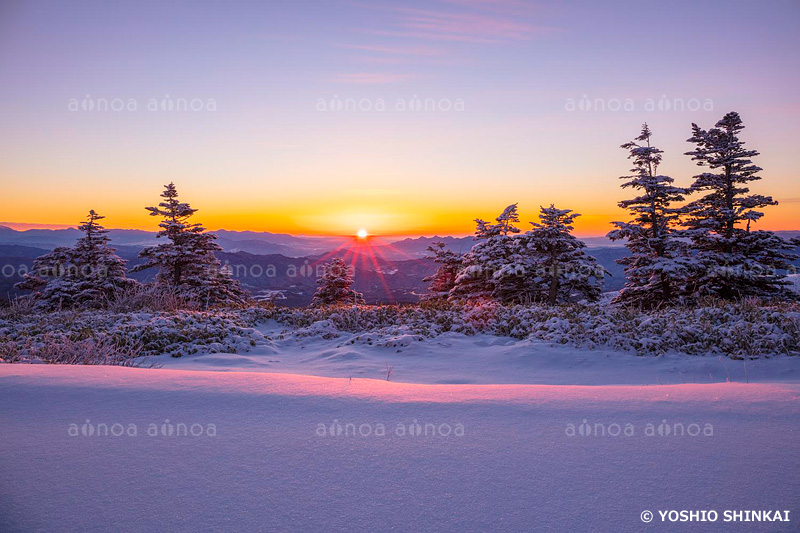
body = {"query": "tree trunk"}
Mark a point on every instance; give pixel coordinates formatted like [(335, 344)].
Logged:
[(553, 296)]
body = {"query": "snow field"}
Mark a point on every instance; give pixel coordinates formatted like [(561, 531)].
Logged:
[(268, 467)]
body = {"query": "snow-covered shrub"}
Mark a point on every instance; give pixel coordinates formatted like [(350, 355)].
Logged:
[(794, 283), (152, 297), (428, 320), (481, 317), (71, 350), (18, 307), (744, 329), (155, 333), (749, 328), (321, 328), (101, 350), (10, 352)]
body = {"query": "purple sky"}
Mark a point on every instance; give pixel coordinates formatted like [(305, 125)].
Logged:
[(267, 151)]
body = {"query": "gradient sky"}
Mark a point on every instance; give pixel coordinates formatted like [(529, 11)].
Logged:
[(268, 151)]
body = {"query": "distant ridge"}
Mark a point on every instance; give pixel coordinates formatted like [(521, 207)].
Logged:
[(22, 226), (265, 243)]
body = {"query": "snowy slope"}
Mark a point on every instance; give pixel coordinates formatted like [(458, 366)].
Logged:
[(457, 358), (267, 468)]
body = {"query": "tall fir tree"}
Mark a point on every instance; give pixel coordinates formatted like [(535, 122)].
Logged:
[(486, 272), (85, 275), (336, 286), (560, 271), (657, 267), (443, 280), (186, 262), (733, 260)]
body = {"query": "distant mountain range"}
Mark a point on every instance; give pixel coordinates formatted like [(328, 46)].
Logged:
[(233, 241), (259, 242)]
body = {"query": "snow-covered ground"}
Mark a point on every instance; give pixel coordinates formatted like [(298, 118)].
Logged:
[(471, 433), (454, 358), (281, 452)]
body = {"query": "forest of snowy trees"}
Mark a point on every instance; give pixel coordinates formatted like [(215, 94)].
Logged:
[(685, 243), (681, 251), (91, 275)]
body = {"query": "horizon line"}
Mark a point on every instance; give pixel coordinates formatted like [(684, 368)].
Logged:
[(26, 226)]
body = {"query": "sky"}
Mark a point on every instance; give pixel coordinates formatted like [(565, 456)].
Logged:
[(404, 118)]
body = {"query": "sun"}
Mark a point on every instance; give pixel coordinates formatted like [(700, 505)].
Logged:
[(362, 233)]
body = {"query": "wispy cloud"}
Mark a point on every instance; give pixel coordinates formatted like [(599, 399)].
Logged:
[(395, 50), (446, 23), (363, 78), (491, 4), (378, 54), (447, 26), (465, 21)]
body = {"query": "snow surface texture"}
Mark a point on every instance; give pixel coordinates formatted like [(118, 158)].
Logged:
[(268, 467)]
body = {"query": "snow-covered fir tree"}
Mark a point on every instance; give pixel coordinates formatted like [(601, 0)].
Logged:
[(85, 275), (560, 271), (186, 262), (657, 268), (510, 264), (488, 270), (107, 272), (443, 280), (51, 280), (336, 286), (506, 221), (732, 259)]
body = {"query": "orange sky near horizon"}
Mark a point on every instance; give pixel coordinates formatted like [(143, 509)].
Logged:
[(393, 220)]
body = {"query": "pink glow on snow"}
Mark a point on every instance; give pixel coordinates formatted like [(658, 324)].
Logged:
[(722, 396)]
